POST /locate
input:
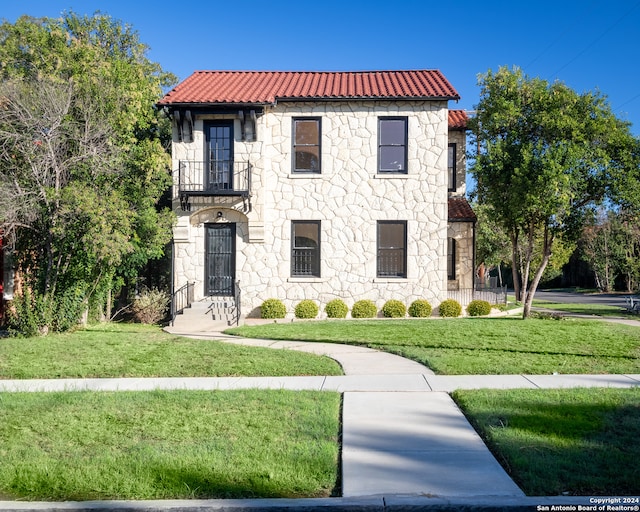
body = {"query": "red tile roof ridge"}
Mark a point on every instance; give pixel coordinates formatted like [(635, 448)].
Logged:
[(237, 86)]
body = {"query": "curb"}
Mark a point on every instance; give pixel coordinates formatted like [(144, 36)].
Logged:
[(395, 503)]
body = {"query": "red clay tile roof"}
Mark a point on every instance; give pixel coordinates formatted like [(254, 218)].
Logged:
[(458, 119), (263, 87), (460, 210)]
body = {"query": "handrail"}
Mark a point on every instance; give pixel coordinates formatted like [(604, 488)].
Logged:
[(181, 299), (237, 301)]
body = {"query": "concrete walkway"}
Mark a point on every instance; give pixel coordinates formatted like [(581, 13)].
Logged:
[(405, 443)]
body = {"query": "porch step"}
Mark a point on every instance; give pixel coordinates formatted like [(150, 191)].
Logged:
[(211, 314)]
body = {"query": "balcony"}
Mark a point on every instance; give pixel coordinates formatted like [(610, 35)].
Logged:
[(217, 180)]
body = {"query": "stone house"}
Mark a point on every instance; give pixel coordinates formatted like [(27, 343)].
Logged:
[(317, 185)]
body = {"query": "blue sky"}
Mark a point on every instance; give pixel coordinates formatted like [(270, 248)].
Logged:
[(588, 44)]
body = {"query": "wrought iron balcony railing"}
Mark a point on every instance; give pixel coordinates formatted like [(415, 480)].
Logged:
[(212, 178)]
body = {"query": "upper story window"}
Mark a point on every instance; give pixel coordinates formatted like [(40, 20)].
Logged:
[(305, 248), (392, 145), (451, 166), (306, 145), (219, 155), (392, 249)]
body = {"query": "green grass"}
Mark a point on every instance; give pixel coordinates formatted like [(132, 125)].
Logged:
[(481, 345), (134, 350), (551, 442), (587, 309), (168, 444)]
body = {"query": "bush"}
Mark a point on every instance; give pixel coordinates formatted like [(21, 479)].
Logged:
[(478, 308), (420, 309), (27, 315), (547, 315), (306, 309), (151, 306), (336, 308), (364, 309), (33, 314), (273, 308), (450, 308), (394, 309)]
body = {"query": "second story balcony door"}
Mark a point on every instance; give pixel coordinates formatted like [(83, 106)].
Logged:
[(219, 155)]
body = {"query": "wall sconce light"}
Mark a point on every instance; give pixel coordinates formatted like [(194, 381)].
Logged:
[(219, 215)]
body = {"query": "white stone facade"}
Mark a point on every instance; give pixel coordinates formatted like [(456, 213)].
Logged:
[(348, 197), (461, 232)]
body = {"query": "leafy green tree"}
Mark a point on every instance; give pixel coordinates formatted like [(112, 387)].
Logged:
[(546, 156), (82, 163), (610, 244), (629, 247), (492, 243), (493, 248)]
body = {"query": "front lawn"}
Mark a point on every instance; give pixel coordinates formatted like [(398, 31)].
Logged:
[(168, 445), (135, 350), (575, 441), (480, 345)]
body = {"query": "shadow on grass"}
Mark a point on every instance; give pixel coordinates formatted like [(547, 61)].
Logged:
[(551, 447), (194, 484)]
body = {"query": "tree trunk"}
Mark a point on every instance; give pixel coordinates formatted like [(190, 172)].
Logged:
[(108, 305), (514, 267), (546, 255)]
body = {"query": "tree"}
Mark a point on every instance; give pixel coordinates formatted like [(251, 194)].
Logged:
[(610, 244), (546, 156), (493, 248), (82, 164), (492, 244)]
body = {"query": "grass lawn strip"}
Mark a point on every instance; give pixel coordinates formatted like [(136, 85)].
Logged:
[(485, 346), (168, 445), (135, 350), (576, 441), (603, 310)]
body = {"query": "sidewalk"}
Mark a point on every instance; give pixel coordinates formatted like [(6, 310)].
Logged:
[(405, 443)]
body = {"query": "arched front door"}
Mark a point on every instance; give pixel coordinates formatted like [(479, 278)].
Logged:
[(220, 260)]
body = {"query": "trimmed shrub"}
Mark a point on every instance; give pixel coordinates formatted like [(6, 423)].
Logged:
[(478, 308), (150, 306), (394, 309), (450, 308), (364, 309), (273, 308), (336, 308), (306, 309), (420, 309)]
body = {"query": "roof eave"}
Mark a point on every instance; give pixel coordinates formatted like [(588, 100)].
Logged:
[(195, 104), (464, 219), (367, 98)]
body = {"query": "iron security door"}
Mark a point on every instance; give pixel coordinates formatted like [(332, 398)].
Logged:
[(220, 261), (219, 155)]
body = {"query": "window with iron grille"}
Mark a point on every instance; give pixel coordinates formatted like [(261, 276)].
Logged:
[(392, 145), (451, 166), (305, 248), (392, 249), (451, 259), (306, 145)]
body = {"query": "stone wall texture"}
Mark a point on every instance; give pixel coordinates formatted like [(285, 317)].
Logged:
[(348, 197)]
